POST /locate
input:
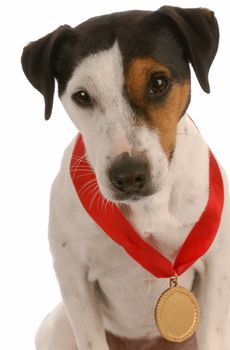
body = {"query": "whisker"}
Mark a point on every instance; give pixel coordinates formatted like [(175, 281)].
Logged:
[(79, 157), (90, 188), (78, 162), (81, 167), (82, 175), (87, 171), (100, 198), (93, 198), (67, 170), (86, 184), (86, 188), (104, 203)]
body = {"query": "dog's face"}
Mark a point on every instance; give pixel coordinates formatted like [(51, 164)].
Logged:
[(128, 116), (124, 80)]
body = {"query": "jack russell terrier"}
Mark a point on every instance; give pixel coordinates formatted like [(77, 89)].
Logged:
[(124, 80)]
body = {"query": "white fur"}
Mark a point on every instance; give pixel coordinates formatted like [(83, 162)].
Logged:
[(109, 128), (85, 257)]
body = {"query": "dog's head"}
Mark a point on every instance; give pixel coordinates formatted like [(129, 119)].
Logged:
[(124, 80)]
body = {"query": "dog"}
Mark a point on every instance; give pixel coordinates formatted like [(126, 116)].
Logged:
[(124, 80)]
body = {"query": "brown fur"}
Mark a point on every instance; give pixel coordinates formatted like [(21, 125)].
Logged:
[(163, 117), (116, 343)]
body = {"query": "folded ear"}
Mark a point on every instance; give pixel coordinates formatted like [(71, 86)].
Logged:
[(38, 63), (199, 34)]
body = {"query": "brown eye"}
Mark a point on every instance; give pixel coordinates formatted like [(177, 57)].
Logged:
[(159, 85), (82, 98)]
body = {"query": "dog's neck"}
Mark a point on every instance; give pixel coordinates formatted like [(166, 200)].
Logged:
[(176, 208)]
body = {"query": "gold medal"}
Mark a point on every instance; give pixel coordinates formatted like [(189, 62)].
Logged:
[(177, 313)]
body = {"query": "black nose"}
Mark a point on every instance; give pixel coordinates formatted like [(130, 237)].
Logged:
[(128, 174)]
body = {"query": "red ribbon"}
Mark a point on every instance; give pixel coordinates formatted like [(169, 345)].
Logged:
[(115, 225)]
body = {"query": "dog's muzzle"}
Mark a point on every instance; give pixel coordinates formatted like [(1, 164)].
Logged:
[(129, 176)]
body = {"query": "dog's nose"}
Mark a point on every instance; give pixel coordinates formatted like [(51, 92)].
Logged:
[(128, 174)]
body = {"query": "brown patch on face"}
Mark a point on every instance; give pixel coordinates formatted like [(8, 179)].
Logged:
[(164, 115)]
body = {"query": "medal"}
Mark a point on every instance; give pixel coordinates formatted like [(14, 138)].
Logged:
[(177, 311)]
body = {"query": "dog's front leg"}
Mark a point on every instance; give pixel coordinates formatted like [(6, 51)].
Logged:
[(81, 304), (214, 296), (68, 248)]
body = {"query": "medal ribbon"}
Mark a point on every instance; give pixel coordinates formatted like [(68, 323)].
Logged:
[(116, 226)]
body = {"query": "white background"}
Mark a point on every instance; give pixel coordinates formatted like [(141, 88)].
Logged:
[(31, 151)]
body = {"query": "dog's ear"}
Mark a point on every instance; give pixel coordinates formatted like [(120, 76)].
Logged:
[(199, 34), (38, 63)]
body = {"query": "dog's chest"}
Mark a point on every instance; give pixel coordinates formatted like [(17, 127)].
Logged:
[(128, 293), (158, 228)]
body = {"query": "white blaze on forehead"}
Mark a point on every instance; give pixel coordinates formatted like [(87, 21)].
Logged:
[(101, 75), (121, 143)]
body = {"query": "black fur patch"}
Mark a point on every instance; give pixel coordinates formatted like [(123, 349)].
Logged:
[(139, 34), (171, 35)]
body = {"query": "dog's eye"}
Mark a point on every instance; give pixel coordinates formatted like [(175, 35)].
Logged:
[(158, 85), (82, 98)]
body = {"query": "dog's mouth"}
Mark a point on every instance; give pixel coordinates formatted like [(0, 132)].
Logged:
[(124, 197)]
